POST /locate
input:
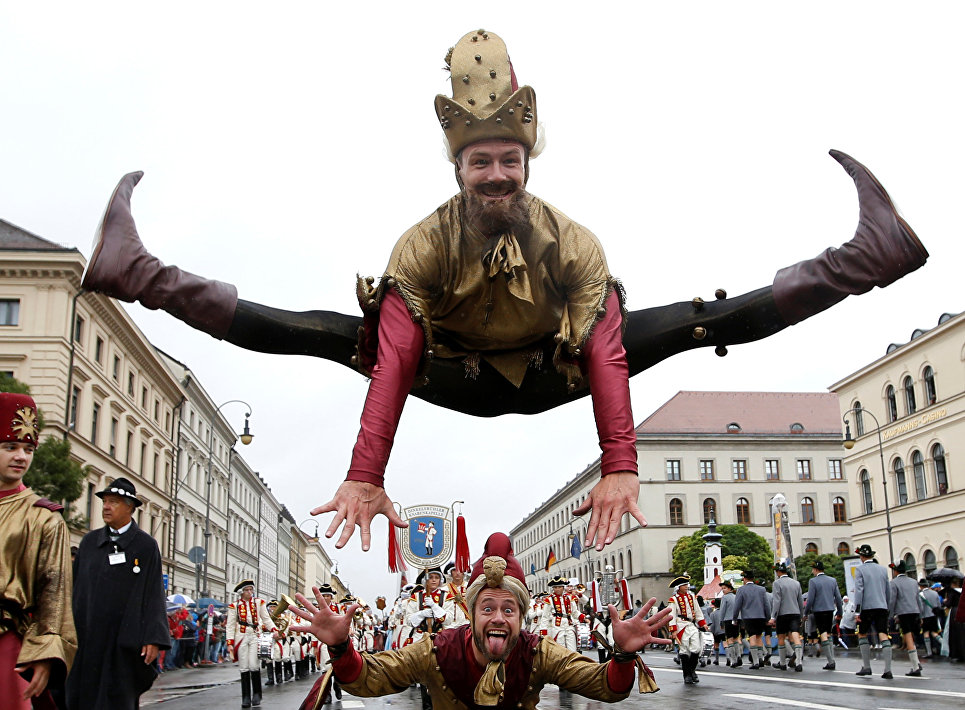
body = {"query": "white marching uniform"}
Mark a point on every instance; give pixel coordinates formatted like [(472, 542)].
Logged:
[(559, 618), (422, 614), (687, 621), (245, 621), (459, 615)]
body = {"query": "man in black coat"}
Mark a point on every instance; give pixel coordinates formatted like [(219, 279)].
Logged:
[(119, 608)]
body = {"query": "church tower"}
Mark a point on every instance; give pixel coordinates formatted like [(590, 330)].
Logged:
[(713, 553)]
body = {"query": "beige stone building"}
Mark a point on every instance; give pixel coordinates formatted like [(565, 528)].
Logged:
[(703, 454), (916, 392), (95, 376)]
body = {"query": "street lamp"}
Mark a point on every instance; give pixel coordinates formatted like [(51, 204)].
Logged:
[(246, 437), (314, 536), (848, 443)]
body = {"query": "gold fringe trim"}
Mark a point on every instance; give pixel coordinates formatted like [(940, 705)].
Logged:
[(471, 363)]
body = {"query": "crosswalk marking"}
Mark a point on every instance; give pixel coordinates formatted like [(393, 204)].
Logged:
[(782, 701), (826, 683)]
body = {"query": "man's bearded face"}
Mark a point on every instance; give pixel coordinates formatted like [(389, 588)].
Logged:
[(496, 623), (492, 174)]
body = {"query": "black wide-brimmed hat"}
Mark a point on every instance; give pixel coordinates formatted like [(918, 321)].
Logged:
[(865, 551), (421, 579), (899, 566), (682, 579), (923, 582), (558, 581), (123, 488), (780, 567), (326, 589), (818, 565), (244, 583)]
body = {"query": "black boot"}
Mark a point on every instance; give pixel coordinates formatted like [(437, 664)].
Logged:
[(255, 688), (884, 248), (694, 658), (426, 698), (289, 674), (338, 689), (271, 673), (245, 689), (276, 669)]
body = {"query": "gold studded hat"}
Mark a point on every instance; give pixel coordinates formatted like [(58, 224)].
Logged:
[(18, 418), (486, 100)]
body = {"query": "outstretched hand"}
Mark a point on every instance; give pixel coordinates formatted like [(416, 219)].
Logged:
[(637, 632), (323, 623), (357, 503), (609, 499)]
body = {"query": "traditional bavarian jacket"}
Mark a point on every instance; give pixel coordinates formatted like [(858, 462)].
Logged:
[(445, 665), (245, 616), (559, 611), (424, 600), (459, 613)]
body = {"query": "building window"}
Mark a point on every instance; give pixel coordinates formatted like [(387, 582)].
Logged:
[(858, 419), (909, 561), (843, 549), (98, 349), (892, 403), (900, 482), (807, 511), (709, 507), (9, 311), (78, 329), (733, 428), (918, 466), (941, 474), (951, 558), (739, 468), (673, 469), (931, 394), (127, 451), (144, 398), (676, 512), (157, 411), (803, 470), (865, 481), (929, 560), (811, 549), (772, 470), (840, 513), (706, 470), (93, 423), (74, 399), (116, 370), (835, 470), (130, 384), (743, 509), (112, 450), (909, 387)]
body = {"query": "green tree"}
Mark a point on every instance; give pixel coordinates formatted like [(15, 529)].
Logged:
[(735, 562), (833, 567), (737, 540), (9, 384)]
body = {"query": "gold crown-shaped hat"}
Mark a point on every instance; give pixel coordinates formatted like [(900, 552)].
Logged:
[(486, 102)]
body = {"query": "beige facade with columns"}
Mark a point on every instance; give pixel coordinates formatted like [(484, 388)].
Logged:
[(917, 393)]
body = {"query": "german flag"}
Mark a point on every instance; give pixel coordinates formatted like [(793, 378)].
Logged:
[(550, 560)]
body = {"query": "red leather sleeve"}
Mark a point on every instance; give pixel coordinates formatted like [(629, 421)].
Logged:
[(619, 676), (400, 349), (605, 364), (348, 666)]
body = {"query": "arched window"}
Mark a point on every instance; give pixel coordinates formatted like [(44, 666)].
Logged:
[(843, 549), (858, 419), (676, 512), (629, 563), (892, 403), (807, 511), (743, 512), (909, 387), (811, 548), (941, 474), (621, 567), (709, 507), (930, 565), (918, 466), (840, 512), (951, 558), (909, 561), (900, 484), (865, 482), (931, 394)]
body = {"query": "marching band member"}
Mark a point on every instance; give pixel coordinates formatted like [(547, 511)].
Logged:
[(245, 619), (686, 623), (456, 592), (560, 615)]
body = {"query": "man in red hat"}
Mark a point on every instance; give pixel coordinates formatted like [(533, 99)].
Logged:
[(37, 636), (491, 662)]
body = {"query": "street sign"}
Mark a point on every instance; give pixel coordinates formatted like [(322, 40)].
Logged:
[(196, 555), (165, 577)]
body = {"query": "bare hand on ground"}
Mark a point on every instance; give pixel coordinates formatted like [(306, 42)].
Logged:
[(609, 499), (357, 503), (638, 632)]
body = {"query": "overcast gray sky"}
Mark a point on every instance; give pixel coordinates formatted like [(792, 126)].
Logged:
[(287, 146)]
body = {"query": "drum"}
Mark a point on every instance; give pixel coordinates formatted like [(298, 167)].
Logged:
[(264, 646)]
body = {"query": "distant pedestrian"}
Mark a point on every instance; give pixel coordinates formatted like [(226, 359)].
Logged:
[(871, 609), (732, 645), (905, 606), (930, 631), (824, 602), (750, 606), (787, 607)]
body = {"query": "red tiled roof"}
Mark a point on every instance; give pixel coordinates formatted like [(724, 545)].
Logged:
[(711, 589), (755, 412)]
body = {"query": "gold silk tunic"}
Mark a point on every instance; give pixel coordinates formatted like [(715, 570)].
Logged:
[(498, 297), (36, 580), (393, 671)]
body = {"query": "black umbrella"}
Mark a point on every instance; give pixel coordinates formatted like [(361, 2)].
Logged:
[(945, 574)]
